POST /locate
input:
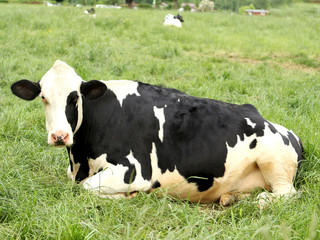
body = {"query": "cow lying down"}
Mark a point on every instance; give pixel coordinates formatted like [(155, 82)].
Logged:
[(124, 136), (171, 20)]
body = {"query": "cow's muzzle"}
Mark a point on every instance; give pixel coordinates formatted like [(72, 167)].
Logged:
[(60, 138)]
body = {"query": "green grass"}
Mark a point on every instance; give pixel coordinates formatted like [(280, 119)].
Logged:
[(272, 62)]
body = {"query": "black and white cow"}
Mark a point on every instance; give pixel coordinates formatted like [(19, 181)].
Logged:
[(171, 20), (125, 136), (91, 12)]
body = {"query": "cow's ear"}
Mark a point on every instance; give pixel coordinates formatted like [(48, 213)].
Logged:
[(26, 89), (93, 89)]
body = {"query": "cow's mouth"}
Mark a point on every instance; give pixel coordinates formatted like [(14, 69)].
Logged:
[(59, 144)]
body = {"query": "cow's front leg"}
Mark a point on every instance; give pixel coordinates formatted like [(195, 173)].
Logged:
[(229, 198), (118, 195), (75, 173), (110, 183)]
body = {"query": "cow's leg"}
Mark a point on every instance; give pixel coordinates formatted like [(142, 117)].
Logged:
[(227, 199), (118, 195), (110, 183), (279, 173)]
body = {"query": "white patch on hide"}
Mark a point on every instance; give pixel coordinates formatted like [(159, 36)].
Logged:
[(111, 179), (139, 182), (284, 131), (156, 171), (241, 168), (122, 88), (96, 164), (108, 181), (250, 123), (159, 114)]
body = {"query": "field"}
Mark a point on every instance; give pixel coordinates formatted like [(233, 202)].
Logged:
[(271, 62)]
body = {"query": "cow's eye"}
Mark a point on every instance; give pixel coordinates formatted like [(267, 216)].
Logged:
[(44, 99)]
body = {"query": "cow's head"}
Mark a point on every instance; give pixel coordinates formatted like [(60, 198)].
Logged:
[(179, 17), (62, 92)]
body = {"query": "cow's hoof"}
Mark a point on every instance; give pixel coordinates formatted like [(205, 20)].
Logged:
[(227, 199), (132, 194), (264, 199)]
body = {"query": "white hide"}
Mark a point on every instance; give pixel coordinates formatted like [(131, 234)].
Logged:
[(271, 151), (111, 179), (284, 131), (159, 114), (122, 88), (139, 183), (56, 85), (96, 164), (108, 181), (156, 171), (169, 20), (250, 123)]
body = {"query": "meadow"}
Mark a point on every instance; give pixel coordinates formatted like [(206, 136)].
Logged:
[(272, 62)]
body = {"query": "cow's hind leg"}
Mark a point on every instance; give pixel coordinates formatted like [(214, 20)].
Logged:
[(279, 173)]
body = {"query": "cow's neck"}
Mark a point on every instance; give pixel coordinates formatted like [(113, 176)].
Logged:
[(101, 125)]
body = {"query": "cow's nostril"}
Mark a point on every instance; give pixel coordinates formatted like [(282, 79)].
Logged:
[(54, 137), (66, 137)]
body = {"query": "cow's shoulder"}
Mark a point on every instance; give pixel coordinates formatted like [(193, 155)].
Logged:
[(158, 93)]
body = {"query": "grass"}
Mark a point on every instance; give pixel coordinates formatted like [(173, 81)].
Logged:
[(272, 62)]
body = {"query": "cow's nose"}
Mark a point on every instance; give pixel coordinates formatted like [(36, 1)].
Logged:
[(60, 138)]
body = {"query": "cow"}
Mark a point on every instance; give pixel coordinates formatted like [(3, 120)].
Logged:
[(91, 12), (171, 20), (124, 137)]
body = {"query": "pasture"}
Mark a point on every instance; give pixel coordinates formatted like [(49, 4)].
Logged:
[(271, 62)]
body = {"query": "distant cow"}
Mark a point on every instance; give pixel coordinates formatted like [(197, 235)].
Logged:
[(107, 6), (171, 20), (91, 12), (52, 4), (125, 136)]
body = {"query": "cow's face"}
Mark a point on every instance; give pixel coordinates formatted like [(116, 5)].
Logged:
[(62, 91), (180, 18)]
